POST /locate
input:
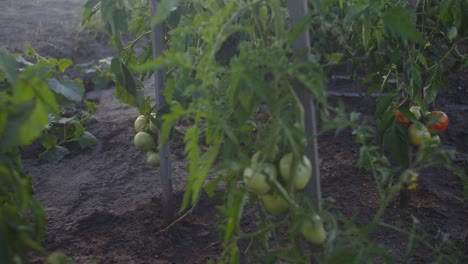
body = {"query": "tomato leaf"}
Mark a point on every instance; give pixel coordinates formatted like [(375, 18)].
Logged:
[(165, 8), (299, 27), (395, 139), (126, 89), (385, 123), (397, 21)]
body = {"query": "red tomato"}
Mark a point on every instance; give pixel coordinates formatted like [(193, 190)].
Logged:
[(442, 121), (399, 118)]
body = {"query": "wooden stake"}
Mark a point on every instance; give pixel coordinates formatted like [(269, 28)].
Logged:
[(297, 9), (168, 210)]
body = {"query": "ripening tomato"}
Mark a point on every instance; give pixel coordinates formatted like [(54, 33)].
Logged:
[(399, 118), (417, 135), (441, 121)]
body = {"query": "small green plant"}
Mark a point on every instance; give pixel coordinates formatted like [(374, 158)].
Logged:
[(34, 92), (67, 126), (25, 105)]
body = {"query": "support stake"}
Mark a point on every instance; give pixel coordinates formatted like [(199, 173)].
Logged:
[(157, 36), (297, 9)]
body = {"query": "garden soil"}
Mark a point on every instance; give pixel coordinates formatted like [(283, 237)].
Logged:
[(104, 204)]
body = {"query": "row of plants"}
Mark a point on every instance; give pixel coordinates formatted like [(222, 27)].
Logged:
[(232, 75), (231, 72), (35, 101)]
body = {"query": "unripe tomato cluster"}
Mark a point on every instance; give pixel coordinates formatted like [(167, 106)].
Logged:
[(147, 132), (261, 175), (430, 126)]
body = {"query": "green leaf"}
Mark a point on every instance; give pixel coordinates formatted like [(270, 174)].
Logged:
[(71, 90), (334, 58), (164, 9), (55, 154), (299, 27), (354, 12), (421, 58), (385, 123), (211, 186), (395, 139), (30, 51), (78, 131), (33, 126), (383, 104), (87, 140), (63, 64), (48, 141), (92, 107), (126, 88), (397, 21), (8, 67)]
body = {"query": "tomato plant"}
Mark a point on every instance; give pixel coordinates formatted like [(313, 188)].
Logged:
[(232, 71), (25, 104)]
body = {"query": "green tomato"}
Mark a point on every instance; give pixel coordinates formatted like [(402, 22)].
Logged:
[(303, 171), (275, 204), (153, 158), (313, 230), (140, 123), (143, 141), (153, 128), (256, 177), (416, 110), (143, 124), (418, 135)]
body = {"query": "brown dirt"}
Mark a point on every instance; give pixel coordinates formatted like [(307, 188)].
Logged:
[(104, 204)]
